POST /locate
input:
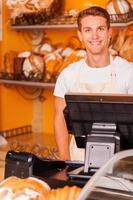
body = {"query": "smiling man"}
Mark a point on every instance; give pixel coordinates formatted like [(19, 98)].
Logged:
[(98, 72)]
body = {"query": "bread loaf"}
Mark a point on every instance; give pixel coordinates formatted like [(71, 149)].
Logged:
[(33, 67), (65, 193), (127, 49), (118, 7), (14, 188), (120, 39)]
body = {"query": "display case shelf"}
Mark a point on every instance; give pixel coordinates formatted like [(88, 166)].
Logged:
[(28, 84)]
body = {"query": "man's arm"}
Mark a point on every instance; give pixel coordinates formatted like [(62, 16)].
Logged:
[(61, 133)]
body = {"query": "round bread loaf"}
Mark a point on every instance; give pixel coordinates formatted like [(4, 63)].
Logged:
[(118, 6), (33, 67)]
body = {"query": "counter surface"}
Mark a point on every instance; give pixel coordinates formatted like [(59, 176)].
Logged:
[(43, 145)]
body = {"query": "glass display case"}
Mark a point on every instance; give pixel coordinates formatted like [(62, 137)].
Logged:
[(113, 181)]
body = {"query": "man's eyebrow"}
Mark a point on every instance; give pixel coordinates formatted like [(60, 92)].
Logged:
[(89, 27), (102, 26), (85, 27)]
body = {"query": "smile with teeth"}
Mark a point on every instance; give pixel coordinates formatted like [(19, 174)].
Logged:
[(95, 43)]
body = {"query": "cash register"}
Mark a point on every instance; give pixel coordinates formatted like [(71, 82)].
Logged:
[(100, 123)]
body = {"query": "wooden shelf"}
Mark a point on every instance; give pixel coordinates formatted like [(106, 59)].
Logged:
[(70, 22), (62, 26), (121, 24), (52, 26), (28, 84)]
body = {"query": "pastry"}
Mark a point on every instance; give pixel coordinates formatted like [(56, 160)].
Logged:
[(43, 49), (72, 57), (67, 52), (119, 40), (65, 193), (59, 47), (24, 54), (73, 12), (131, 3), (127, 49), (53, 61), (74, 43), (31, 188), (14, 188), (33, 67), (130, 30)]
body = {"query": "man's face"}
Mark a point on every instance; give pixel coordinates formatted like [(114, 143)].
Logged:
[(94, 34)]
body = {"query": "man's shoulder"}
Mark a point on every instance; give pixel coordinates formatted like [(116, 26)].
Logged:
[(122, 61)]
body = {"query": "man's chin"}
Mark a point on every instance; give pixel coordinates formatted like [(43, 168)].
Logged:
[(95, 52)]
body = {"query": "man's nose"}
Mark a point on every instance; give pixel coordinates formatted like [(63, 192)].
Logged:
[(95, 34)]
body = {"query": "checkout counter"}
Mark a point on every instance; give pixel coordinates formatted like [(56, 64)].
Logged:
[(109, 119), (56, 173)]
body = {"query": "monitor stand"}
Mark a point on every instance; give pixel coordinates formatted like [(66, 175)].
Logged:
[(102, 142)]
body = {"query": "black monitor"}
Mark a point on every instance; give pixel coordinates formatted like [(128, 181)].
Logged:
[(84, 110)]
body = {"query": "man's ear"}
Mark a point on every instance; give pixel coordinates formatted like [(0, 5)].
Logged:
[(110, 32), (79, 35), (110, 36)]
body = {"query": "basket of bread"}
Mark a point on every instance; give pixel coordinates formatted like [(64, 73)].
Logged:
[(23, 66), (122, 43), (31, 188), (120, 11), (30, 12), (45, 61)]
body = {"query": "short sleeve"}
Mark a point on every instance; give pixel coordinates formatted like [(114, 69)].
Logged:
[(60, 86)]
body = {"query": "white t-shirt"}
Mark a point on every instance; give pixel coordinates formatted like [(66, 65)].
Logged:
[(67, 78)]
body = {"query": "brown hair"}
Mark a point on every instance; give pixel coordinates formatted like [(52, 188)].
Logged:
[(94, 11)]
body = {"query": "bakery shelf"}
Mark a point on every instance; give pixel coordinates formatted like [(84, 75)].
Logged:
[(51, 26), (28, 84), (69, 22), (63, 26), (121, 24)]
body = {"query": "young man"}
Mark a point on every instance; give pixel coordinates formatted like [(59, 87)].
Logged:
[(99, 72)]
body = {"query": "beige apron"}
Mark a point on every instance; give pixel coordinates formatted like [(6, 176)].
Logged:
[(108, 87)]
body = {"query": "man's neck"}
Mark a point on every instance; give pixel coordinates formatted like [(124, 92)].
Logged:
[(98, 61)]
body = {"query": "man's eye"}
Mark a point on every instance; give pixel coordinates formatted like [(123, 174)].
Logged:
[(101, 28), (87, 30)]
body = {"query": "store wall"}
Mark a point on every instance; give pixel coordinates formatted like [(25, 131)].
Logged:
[(16, 111)]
